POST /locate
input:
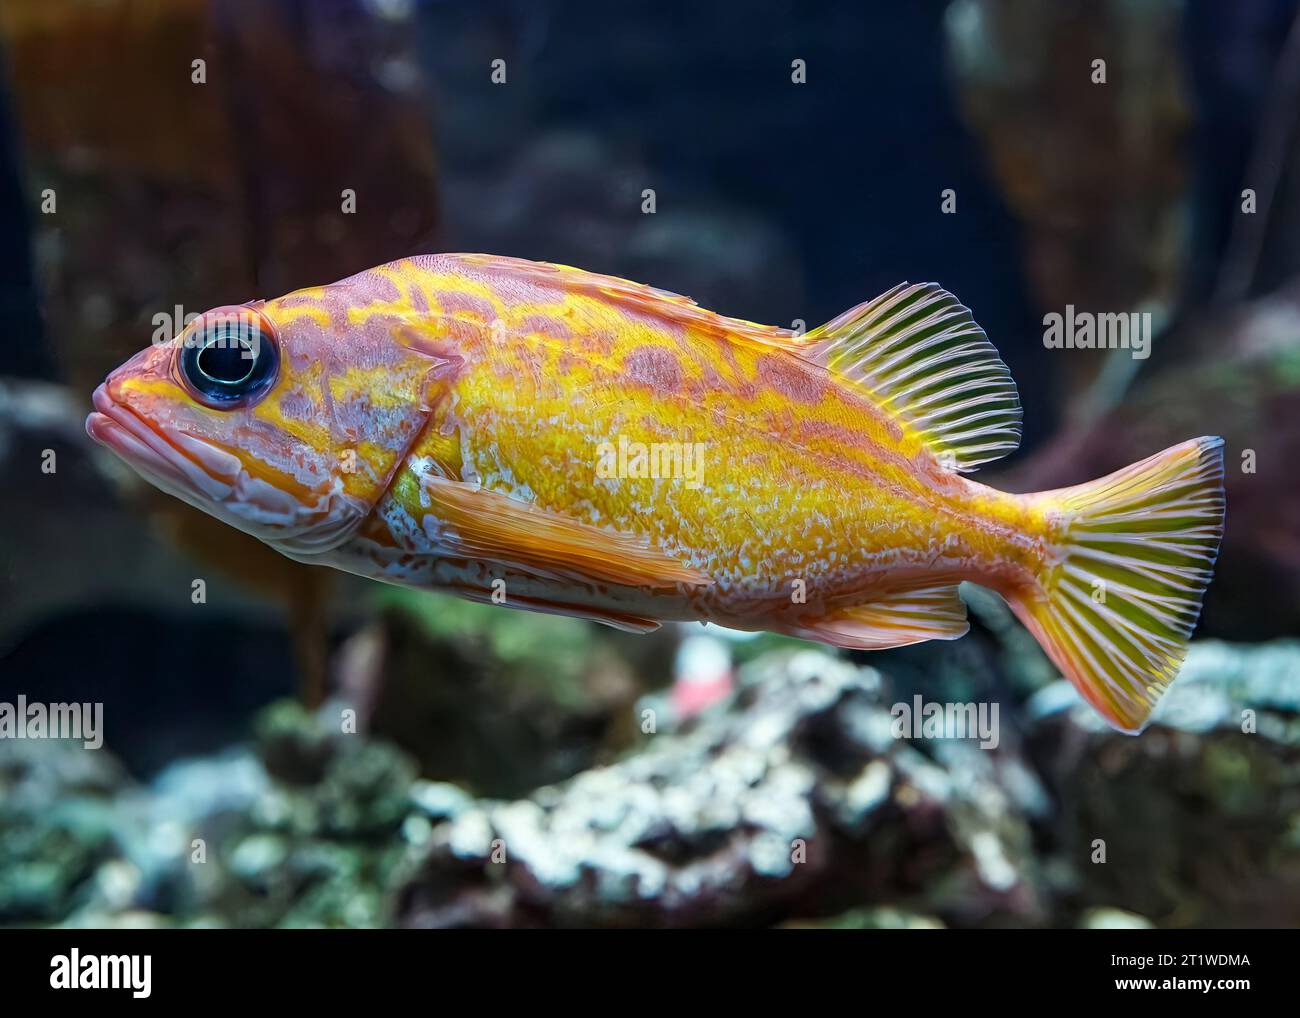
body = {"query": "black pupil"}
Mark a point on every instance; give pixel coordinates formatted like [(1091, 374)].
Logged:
[(229, 361)]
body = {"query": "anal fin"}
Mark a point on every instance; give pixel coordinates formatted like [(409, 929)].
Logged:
[(897, 620)]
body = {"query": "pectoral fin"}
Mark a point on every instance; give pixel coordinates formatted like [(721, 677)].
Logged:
[(907, 617), (488, 525)]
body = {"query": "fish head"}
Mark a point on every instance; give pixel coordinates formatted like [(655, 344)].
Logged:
[(286, 419)]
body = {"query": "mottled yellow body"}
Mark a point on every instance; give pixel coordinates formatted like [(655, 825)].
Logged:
[(802, 477), (547, 438)]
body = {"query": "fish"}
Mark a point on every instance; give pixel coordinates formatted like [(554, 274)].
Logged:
[(541, 437)]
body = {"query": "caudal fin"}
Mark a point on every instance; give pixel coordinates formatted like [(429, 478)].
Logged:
[(1135, 552)]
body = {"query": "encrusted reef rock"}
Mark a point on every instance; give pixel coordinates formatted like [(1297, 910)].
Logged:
[(57, 811), (302, 829), (1197, 822), (798, 804), (799, 801)]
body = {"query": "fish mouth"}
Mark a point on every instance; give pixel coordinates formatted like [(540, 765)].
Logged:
[(159, 460), (208, 477)]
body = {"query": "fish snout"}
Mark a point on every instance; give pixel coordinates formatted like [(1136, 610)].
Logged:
[(153, 362), (293, 517), (192, 470)]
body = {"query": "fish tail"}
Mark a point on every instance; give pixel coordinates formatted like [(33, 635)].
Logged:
[(1133, 553)]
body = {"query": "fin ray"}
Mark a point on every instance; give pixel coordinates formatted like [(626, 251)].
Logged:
[(897, 620), (1117, 608), (487, 524), (918, 354)]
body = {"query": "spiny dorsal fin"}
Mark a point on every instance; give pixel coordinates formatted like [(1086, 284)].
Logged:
[(919, 354), (650, 300)]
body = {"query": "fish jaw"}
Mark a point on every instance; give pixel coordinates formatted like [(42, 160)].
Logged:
[(162, 463), (213, 479)]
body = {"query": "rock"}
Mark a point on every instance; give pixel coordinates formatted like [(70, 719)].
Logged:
[(1114, 919), (257, 856), (876, 919), (57, 818), (798, 802), (785, 806), (1190, 824)]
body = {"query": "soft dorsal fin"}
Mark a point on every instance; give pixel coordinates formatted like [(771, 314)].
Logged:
[(918, 353)]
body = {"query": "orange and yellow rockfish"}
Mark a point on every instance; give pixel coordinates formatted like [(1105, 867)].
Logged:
[(547, 438)]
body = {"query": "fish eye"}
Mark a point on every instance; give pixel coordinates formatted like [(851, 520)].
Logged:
[(229, 358)]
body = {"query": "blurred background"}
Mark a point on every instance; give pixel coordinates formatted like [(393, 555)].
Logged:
[(510, 769)]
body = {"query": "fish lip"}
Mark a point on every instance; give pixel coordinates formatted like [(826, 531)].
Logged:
[(168, 465), (150, 453)]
